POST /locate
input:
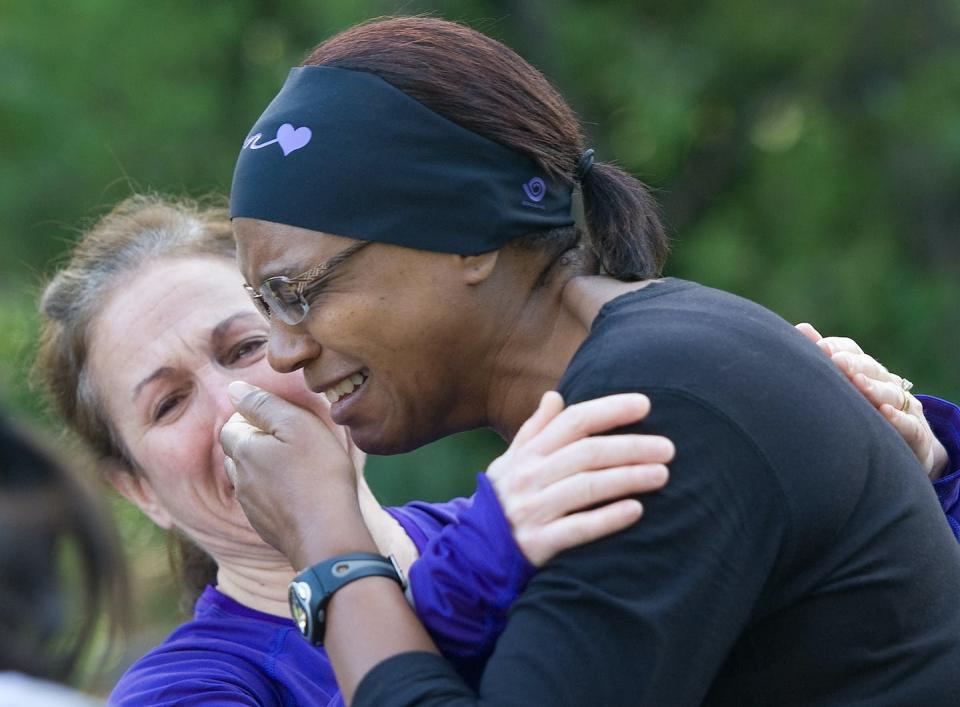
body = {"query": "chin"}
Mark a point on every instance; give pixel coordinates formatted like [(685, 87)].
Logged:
[(377, 441)]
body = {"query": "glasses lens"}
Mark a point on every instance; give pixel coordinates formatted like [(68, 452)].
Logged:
[(281, 297), (258, 302)]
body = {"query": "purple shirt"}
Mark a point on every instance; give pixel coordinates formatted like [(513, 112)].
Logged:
[(944, 419), (232, 655)]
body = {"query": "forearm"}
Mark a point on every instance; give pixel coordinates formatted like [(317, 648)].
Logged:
[(368, 620), (593, 610), (466, 579)]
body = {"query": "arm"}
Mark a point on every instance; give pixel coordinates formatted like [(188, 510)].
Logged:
[(563, 469), (477, 554), (466, 579), (615, 622)]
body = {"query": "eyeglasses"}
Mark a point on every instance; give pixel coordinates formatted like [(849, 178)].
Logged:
[(286, 297)]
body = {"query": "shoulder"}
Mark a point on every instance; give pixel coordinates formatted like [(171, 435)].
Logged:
[(719, 367), (676, 334), (229, 654), (192, 664), (219, 652), (739, 360)]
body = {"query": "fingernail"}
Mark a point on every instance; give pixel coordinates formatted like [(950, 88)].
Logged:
[(230, 469), (238, 389)]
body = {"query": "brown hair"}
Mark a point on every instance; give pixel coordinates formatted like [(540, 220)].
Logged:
[(138, 230), (487, 88), (47, 507)]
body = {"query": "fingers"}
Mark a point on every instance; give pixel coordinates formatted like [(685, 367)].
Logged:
[(266, 411), (234, 433), (579, 528), (852, 364), (888, 393), (605, 452), (551, 405), (913, 431), (589, 418), (917, 434), (808, 331), (230, 467), (589, 488), (836, 344)]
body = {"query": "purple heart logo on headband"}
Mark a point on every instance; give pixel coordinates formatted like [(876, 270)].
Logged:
[(291, 139)]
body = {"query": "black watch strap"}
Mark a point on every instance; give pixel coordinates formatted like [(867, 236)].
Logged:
[(310, 591)]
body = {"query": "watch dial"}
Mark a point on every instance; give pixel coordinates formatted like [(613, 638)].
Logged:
[(298, 610)]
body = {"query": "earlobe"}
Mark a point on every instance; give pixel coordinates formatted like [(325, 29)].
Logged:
[(137, 489), (477, 268)]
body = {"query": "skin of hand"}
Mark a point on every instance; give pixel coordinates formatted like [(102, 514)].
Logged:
[(885, 392), (552, 470), (272, 447)]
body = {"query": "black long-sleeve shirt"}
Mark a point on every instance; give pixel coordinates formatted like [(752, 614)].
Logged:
[(798, 555)]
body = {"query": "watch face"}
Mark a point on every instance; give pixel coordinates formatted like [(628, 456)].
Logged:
[(299, 595)]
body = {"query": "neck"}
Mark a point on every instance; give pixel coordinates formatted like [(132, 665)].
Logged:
[(260, 585), (535, 351), (543, 338), (261, 582), (388, 534)]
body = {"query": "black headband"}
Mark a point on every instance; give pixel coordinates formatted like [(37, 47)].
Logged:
[(346, 153)]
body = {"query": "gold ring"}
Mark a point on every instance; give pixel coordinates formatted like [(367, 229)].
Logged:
[(906, 399)]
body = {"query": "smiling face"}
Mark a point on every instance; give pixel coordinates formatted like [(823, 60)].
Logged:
[(395, 335), (164, 348)]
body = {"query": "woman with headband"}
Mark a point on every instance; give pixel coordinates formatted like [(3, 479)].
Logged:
[(403, 216)]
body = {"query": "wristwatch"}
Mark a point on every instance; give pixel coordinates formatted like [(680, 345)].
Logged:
[(310, 590)]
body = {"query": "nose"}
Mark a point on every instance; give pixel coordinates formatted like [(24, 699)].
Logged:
[(216, 384), (290, 348)]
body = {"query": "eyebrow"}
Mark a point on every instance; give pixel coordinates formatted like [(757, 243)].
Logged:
[(218, 333), (220, 330), (162, 372)]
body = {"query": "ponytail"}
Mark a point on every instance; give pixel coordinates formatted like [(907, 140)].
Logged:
[(623, 221)]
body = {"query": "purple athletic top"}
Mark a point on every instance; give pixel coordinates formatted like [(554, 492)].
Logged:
[(230, 654), (944, 419), (469, 573)]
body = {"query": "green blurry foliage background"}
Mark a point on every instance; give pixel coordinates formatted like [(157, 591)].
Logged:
[(806, 154)]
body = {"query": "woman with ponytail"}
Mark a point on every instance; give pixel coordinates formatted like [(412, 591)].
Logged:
[(403, 216)]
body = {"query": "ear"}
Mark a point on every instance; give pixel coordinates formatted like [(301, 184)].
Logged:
[(477, 268), (137, 489)]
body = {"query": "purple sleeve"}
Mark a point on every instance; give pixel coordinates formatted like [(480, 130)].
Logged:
[(944, 419), (190, 678), (469, 573)]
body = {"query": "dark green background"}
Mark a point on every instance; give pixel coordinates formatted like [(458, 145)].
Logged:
[(807, 155)]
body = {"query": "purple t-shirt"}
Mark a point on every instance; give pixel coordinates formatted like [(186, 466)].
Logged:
[(230, 654)]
